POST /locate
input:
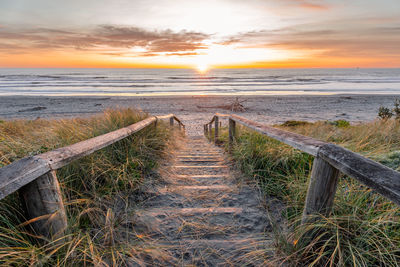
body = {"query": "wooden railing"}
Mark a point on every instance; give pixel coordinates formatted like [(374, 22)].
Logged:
[(330, 160), (35, 177)]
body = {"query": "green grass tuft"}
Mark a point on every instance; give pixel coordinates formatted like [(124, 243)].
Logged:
[(294, 123), (341, 123), (364, 228)]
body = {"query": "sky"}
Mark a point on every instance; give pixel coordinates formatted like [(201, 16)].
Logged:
[(200, 34)]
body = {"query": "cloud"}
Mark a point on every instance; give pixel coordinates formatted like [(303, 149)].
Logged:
[(308, 4), (102, 37), (155, 41), (313, 6), (350, 38)]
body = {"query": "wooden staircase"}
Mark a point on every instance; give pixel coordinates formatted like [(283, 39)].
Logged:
[(202, 216)]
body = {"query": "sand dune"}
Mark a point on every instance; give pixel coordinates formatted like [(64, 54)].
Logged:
[(195, 110)]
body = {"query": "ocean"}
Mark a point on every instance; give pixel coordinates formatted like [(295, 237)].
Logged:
[(120, 82)]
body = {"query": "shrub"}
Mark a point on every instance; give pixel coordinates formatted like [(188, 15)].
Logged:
[(396, 109), (341, 123), (295, 123), (384, 113)]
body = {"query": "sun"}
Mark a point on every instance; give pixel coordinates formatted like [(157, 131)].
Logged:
[(202, 67)]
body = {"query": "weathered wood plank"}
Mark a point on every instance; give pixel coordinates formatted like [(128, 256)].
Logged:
[(232, 132), (301, 142), (216, 132), (380, 178), (212, 120), (200, 166), (178, 120), (60, 157), (171, 118), (165, 116), (44, 206), (21, 172), (321, 189)]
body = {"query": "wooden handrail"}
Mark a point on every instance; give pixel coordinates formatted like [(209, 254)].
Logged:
[(21, 172), (301, 142), (34, 174), (208, 126), (171, 118), (330, 159), (62, 156), (217, 115), (380, 178)]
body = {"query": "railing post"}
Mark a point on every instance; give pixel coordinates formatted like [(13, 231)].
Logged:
[(171, 122), (205, 130), (321, 190), (216, 129), (43, 201), (232, 132), (209, 130)]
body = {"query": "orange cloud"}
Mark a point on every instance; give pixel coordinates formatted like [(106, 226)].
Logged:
[(351, 43), (22, 41), (313, 6), (346, 44)]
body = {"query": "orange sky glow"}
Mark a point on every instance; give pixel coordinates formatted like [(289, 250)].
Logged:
[(200, 35)]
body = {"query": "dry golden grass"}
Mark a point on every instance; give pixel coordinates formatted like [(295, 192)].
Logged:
[(372, 139), (95, 189), (364, 229)]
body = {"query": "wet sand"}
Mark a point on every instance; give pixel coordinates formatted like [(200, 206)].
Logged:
[(196, 110)]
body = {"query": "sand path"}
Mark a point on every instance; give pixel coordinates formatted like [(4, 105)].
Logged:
[(201, 215)]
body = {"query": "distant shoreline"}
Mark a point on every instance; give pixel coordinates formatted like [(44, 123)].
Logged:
[(196, 110), (199, 95), (189, 82)]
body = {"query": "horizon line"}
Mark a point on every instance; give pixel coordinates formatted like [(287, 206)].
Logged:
[(191, 68)]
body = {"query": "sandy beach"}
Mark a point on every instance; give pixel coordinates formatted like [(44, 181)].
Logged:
[(196, 110)]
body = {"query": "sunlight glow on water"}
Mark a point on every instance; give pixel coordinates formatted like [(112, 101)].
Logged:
[(204, 81)]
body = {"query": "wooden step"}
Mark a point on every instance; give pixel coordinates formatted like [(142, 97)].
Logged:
[(199, 157), (175, 188), (201, 222), (200, 166), (200, 160), (253, 239), (200, 216), (200, 151), (235, 250), (199, 179), (205, 176), (199, 154), (153, 212), (199, 145)]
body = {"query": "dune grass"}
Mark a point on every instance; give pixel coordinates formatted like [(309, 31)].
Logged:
[(97, 190), (364, 228)]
